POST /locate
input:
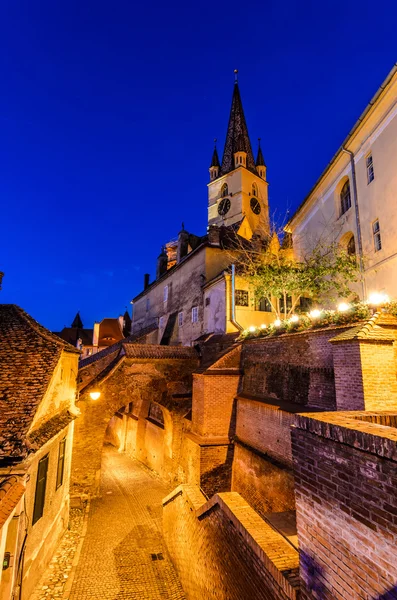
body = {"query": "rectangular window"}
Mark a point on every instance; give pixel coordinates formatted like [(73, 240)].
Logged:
[(161, 323), (165, 293), (305, 304), (195, 314), (180, 319), (241, 298), (288, 306), (61, 463), (41, 485), (147, 304), (370, 168), (264, 305), (376, 234)]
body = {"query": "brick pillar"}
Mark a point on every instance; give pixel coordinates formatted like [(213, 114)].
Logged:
[(365, 365)]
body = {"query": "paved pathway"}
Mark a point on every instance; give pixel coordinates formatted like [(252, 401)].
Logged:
[(124, 531)]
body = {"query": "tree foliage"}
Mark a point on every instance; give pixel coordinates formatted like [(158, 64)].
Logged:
[(273, 273)]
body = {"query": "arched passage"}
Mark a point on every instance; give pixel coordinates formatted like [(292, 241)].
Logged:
[(124, 415)]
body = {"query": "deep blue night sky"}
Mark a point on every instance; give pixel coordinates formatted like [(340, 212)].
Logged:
[(107, 115)]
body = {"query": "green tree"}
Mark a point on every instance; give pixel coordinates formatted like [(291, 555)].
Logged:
[(326, 272)]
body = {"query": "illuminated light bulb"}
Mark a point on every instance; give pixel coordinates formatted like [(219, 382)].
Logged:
[(263, 326), (315, 313), (252, 329), (277, 323), (343, 307), (294, 319), (378, 298), (95, 395)]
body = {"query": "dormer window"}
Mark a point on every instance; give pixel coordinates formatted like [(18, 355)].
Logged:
[(254, 190), (224, 190)]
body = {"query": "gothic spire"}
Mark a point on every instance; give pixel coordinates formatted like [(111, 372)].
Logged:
[(215, 158), (77, 322), (237, 138), (260, 161)]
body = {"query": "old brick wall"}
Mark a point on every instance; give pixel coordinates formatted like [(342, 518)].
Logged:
[(223, 550), (346, 481), (265, 484), (265, 427), (296, 368), (213, 403)]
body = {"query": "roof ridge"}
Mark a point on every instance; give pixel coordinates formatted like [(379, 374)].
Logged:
[(41, 330)]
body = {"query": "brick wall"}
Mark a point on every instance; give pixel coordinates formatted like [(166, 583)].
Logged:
[(213, 402), (264, 484), (265, 427), (296, 368), (223, 550), (346, 481)]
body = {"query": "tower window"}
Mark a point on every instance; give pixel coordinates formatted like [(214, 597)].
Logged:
[(370, 168), (376, 234), (254, 190), (224, 190), (345, 199), (180, 319), (165, 293)]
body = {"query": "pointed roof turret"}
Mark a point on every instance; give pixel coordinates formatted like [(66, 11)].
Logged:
[(237, 138), (77, 322), (260, 161), (215, 159)]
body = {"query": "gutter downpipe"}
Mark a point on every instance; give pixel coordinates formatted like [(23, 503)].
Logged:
[(358, 226), (233, 289)]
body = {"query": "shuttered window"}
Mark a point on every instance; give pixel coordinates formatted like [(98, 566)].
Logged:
[(41, 484), (61, 462)]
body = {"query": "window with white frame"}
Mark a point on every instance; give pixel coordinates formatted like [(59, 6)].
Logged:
[(180, 319), (165, 293), (370, 168), (376, 234), (195, 314)]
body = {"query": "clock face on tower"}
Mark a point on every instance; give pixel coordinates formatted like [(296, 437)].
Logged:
[(224, 206), (255, 206)]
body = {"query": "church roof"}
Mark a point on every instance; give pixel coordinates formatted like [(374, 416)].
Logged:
[(237, 138)]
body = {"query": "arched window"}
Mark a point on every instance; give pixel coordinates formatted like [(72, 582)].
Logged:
[(254, 190), (345, 200), (224, 190), (351, 246)]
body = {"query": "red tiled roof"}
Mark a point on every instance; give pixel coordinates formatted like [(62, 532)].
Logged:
[(11, 491), (29, 354)]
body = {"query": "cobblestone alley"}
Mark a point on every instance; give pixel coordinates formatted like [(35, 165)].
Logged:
[(123, 537)]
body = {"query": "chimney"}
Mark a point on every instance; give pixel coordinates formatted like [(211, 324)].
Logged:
[(95, 335), (162, 262), (146, 278)]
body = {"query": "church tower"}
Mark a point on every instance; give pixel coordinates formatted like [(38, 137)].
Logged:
[(237, 191)]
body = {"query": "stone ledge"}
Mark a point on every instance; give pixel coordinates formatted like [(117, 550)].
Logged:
[(202, 440), (346, 428)]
